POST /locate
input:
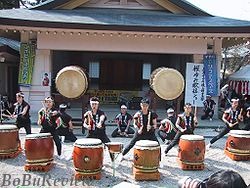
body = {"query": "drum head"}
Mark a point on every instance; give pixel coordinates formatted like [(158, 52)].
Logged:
[(38, 135), (192, 137), (114, 143), (168, 83), (7, 127), (240, 133), (88, 142), (71, 82), (146, 143)]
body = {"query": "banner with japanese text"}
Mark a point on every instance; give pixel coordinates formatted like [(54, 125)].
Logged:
[(27, 59), (210, 69), (195, 92)]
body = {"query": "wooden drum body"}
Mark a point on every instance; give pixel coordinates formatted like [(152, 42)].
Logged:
[(88, 158), (191, 152), (238, 145), (167, 83), (115, 147), (9, 141), (146, 160), (71, 82), (39, 151)]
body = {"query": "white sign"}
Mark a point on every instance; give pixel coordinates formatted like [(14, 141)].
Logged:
[(195, 92)]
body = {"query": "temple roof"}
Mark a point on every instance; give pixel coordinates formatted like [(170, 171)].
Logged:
[(122, 19)]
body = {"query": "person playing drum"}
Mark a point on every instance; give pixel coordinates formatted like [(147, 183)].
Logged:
[(47, 119), (21, 113), (247, 121), (185, 123), (209, 105), (94, 121), (123, 120), (145, 122), (231, 117), (64, 124), (167, 129)]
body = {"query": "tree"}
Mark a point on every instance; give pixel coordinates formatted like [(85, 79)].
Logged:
[(234, 58), (8, 4)]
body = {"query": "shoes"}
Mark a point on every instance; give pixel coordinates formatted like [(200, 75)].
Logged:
[(166, 142), (208, 146), (68, 158), (166, 152), (210, 119), (60, 157)]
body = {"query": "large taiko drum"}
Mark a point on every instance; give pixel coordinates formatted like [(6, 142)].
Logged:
[(39, 151), (71, 82), (88, 158), (9, 141), (147, 155), (167, 83), (238, 145), (191, 152)]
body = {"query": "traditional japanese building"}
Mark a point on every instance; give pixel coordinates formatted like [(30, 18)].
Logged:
[(118, 42)]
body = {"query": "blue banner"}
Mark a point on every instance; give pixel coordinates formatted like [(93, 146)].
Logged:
[(210, 70)]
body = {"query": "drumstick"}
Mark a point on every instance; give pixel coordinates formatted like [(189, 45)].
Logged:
[(8, 112)]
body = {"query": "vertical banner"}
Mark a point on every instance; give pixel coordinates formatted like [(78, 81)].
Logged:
[(195, 92), (27, 59), (210, 69)]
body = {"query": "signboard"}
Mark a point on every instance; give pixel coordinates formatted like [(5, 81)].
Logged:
[(113, 96), (195, 92), (210, 69), (27, 59)]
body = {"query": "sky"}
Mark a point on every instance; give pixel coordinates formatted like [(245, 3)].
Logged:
[(236, 9)]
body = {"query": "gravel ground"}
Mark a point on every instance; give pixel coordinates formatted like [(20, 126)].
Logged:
[(215, 159)]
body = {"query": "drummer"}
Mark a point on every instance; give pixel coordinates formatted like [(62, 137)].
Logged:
[(167, 129), (94, 121), (47, 119), (145, 123), (21, 113), (123, 120), (231, 117), (64, 124), (185, 123), (247, 121)]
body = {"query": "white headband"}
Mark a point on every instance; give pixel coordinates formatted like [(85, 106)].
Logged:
[(94, 102)]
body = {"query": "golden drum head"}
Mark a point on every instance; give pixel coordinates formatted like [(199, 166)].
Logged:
[(71, 82), (167, 83)]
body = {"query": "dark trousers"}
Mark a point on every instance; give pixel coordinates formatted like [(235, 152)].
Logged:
[(144, 136), (208, 113), (166, 136), (25, 125), (177, 139), (115, 132), (67, 133), (53, 132), (223, 132), (100, 134)]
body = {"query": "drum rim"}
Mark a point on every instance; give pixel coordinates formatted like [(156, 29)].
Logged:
[(113, 143), (7, 127), (195, 137), (156, 144), (84, 76), (98, 142), (240, 132), (38, 135)]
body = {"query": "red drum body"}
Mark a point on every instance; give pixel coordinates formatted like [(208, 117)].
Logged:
[(115, 147), (191, 152), (9, 141), (88, 158), (39, 151), (146, 160), (238, 145)]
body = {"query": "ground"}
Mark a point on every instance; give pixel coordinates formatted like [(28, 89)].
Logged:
[(215, 159)]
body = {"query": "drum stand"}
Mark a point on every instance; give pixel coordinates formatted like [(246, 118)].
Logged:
[(113, 157)]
